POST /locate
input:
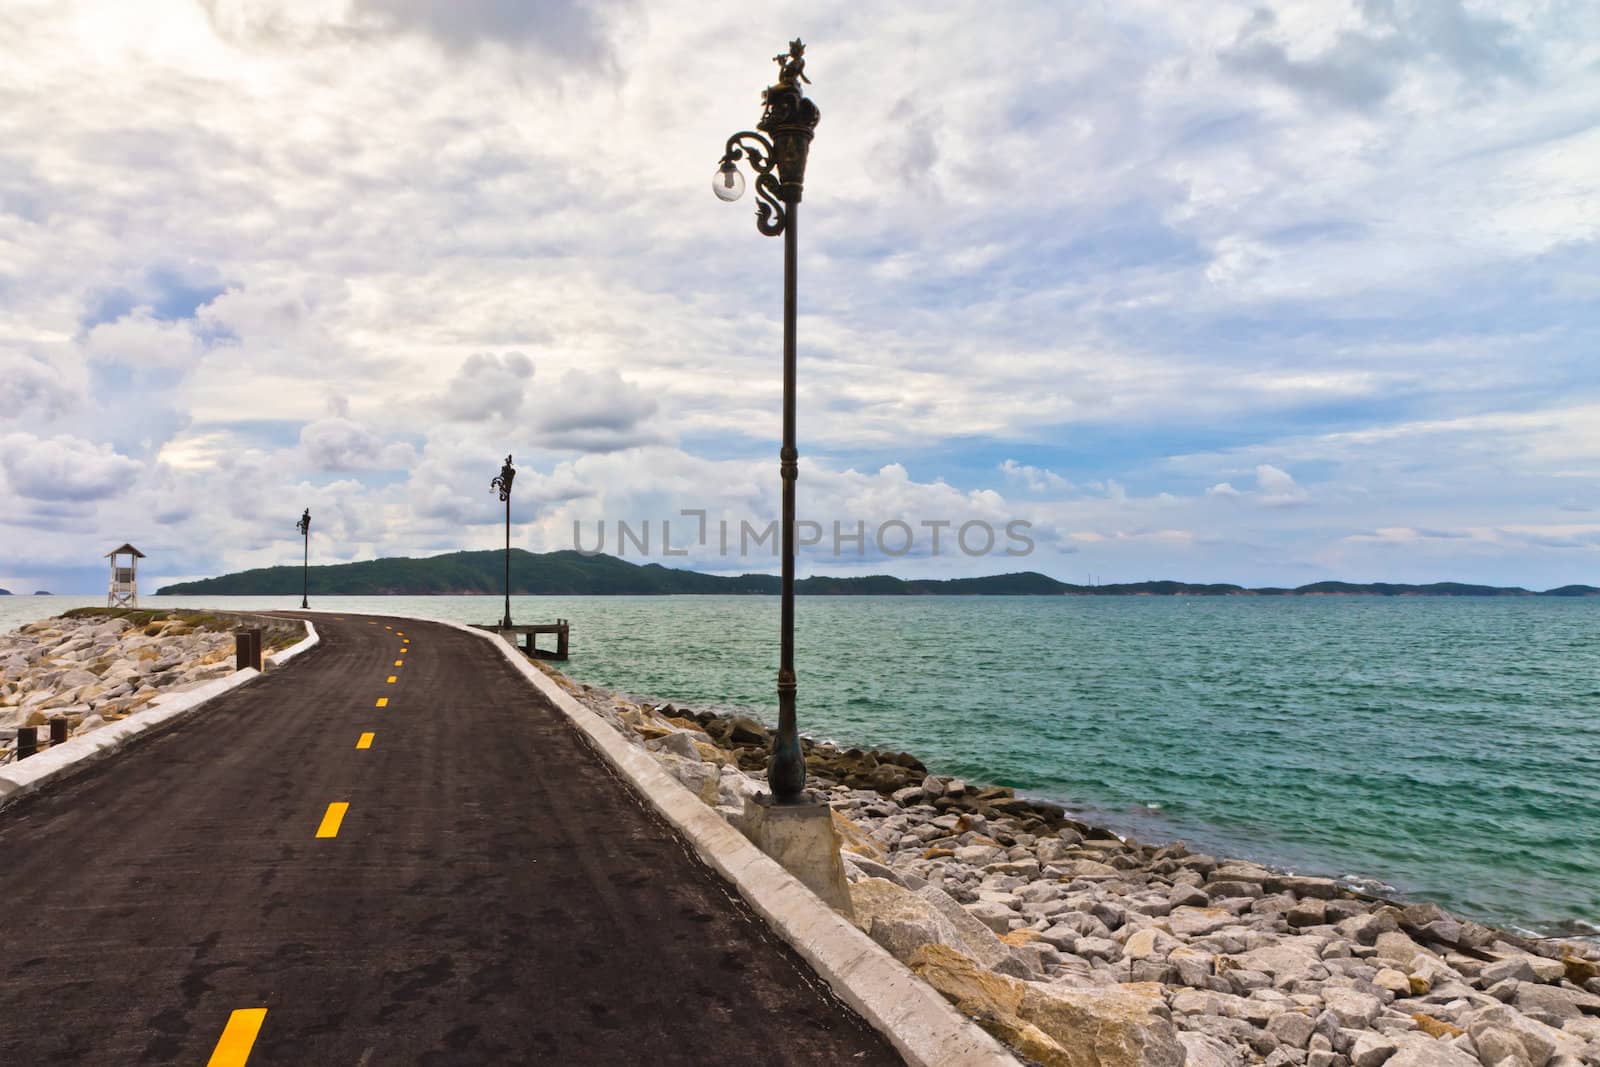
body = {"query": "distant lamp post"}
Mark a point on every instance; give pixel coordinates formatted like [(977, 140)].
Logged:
[(304, 526), (502, 482), (779, 161)]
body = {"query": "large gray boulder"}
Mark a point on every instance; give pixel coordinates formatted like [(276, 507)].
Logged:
[(1354, 1008), (865, 867), (1501, 1048), (1150, 942), (993, 914), (1372, 1050), (1364, 929), (898, 919), (1117, 1026), (1292, 1028), (1189, 921), (948, 922), (1515, 968), (1293, 959), (1548, 1004), (1539, 1042), (701, 779), (1203, 1050), (1419, 1050), (679, 744), (1394, 945)]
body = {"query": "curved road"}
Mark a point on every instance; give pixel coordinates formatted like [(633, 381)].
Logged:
[(492, 894)]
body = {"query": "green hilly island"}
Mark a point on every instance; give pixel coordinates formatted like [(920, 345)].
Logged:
[(571, 573)]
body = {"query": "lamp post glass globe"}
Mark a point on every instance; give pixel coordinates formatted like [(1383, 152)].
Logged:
[(728, 183)]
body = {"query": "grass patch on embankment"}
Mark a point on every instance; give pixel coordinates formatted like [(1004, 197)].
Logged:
[(276, 634)]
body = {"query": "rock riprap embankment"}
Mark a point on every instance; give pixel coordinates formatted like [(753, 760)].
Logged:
[(1081, 948), (95, 667)]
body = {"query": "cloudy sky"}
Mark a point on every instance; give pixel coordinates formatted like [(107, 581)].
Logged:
[(1254, 292)]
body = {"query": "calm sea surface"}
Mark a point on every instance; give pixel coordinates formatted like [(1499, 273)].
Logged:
[(1448, 748)]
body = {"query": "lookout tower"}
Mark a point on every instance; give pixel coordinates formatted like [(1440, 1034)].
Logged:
[(124, 578)]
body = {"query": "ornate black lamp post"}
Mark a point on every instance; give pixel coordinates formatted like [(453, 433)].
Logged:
[(304, 526), (502, 482), (779, 160)]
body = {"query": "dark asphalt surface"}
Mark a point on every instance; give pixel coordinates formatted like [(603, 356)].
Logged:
[(495, 895)]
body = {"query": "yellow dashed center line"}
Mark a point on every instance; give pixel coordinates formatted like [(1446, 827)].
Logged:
[(238, 1037), (365, 740), (399, 663), (393, 678), (331, 820), (383, 702), (388, 627)]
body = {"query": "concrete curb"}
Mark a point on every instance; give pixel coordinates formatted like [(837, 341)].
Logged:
[(923, 1027), (278, 659), (20, 778)]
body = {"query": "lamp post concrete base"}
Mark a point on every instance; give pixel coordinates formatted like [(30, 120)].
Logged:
[(802, 838)]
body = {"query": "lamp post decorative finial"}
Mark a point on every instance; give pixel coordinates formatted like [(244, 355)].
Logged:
[(777, 153), (792, 64), (507, 475)]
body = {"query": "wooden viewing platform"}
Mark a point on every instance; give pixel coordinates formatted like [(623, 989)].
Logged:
[(530, 645)]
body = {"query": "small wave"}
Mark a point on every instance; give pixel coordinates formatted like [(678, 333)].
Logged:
[(1523, 931), (1363, 884), (1573, 928)]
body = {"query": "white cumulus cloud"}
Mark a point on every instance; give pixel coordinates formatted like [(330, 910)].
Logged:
[(1034, 479), (487, 385), (337, 444), (64, 468)]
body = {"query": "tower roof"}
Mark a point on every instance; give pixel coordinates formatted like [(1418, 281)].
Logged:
[(125, 548)]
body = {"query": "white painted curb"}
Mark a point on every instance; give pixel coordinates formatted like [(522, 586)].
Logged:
[(925, 1028), (278, 659), (22, 777)]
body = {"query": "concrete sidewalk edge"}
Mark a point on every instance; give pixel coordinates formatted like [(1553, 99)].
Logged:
[(923, 1027), (278, 659), (21, 778)]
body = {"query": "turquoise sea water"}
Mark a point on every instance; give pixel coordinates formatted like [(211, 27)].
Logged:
[(1448, 748)]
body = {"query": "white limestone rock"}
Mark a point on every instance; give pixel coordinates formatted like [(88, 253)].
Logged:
[(993, 914), (1539, 1042), (1372, 1050), (977, 940), (1353, 1008), (1292, 1028), (1292, 959), (1419, 1050), (1203, 1050)]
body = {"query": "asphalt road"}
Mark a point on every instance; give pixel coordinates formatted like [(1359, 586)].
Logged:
[(492, 895)]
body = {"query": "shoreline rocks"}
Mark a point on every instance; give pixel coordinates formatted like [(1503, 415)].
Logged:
[(1076, 946), (91, 667)]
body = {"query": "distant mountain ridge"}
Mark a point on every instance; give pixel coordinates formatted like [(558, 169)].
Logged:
[(571, 573)]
